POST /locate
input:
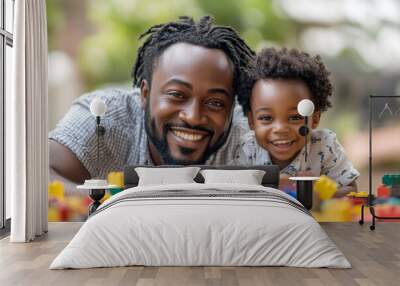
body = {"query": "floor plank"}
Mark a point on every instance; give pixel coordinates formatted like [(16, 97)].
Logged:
[(375, 257)]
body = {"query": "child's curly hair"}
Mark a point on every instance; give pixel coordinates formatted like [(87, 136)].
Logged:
[(290, 64)]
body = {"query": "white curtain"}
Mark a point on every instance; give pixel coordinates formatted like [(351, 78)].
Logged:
[(26, 123)]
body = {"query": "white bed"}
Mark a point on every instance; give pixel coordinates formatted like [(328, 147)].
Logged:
[(201, 224)]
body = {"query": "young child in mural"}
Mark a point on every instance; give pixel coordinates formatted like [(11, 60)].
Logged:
[(278, 81)]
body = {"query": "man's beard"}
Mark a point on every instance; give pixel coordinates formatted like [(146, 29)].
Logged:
[(162, 147)]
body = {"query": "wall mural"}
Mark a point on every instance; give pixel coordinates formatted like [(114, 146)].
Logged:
[(189, 92)]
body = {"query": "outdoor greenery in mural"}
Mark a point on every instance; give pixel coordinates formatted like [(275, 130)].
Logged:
[(112, 28)]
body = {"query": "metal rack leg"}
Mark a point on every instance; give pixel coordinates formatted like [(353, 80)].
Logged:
[(361, 221), (372, 210)]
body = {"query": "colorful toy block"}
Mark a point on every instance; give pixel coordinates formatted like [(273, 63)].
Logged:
[(116, 178), (290, 190), (325, 187), (56, 190), (383, 191), (335, 210), (392, 181)]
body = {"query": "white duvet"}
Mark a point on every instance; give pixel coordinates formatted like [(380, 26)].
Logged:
[(222, 225)]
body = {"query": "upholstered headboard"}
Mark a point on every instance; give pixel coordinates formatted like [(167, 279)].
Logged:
[(270, 179)]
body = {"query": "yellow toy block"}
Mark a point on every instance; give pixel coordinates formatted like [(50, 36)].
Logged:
[(361, 195), (336, 210), (56, 190), (116, 178), (53, 214), (325, 187), (358, 194)]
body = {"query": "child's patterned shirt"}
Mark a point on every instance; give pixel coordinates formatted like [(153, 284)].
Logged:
[(325, 157)]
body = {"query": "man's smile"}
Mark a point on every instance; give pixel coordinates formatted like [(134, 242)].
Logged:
[(189, 138), (188, 134)]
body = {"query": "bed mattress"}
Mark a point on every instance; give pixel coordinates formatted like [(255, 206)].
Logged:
[(201, 225)]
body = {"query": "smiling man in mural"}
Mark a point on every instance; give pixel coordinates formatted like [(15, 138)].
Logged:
[(189, 74)]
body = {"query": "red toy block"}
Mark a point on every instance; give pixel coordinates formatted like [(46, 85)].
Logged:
[(358, 201), (63, 212), (383, 191)]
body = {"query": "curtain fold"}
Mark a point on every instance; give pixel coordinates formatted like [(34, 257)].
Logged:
[(26, 123)]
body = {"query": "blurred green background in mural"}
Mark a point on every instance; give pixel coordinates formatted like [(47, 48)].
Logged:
[(102, 35)]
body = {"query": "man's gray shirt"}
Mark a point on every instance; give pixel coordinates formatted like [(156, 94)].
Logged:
[(125, 140)]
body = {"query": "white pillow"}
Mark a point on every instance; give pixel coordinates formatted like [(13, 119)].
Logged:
[(248, 177), (163, 176)]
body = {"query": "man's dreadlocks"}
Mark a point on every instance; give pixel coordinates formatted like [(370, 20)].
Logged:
[(203, 33)]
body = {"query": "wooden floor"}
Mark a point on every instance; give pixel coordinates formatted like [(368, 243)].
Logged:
[(374, 255)]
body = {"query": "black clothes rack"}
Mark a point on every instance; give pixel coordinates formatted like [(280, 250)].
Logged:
[(371, 197)]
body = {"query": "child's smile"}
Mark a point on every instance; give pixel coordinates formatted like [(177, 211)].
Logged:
[(282, 145), (275, 120)]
